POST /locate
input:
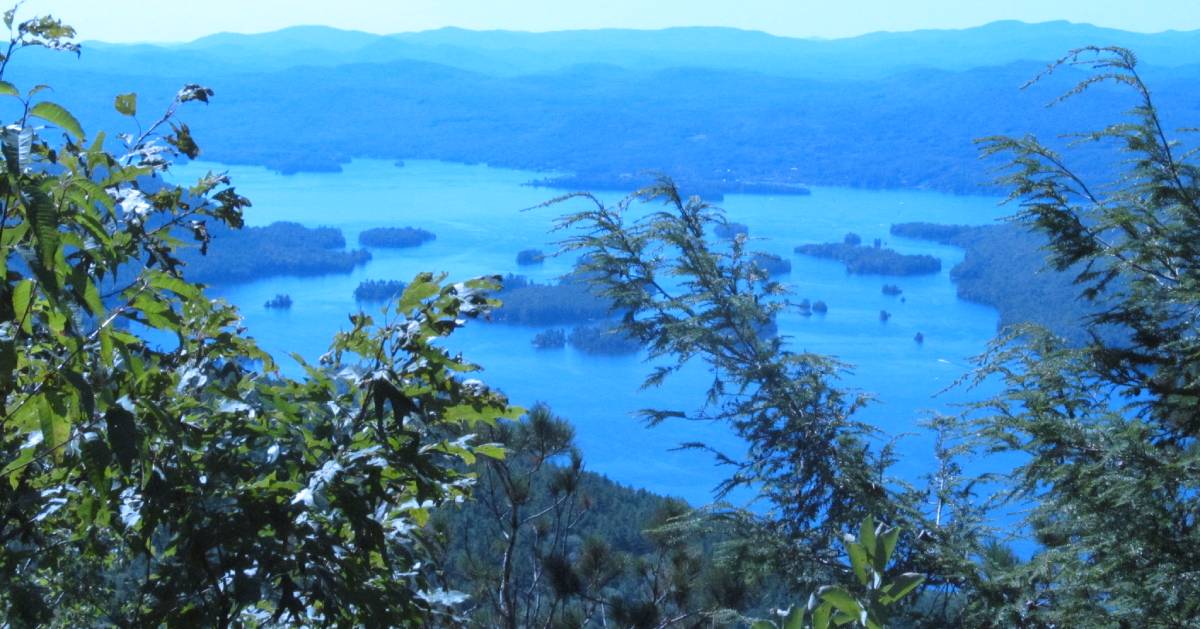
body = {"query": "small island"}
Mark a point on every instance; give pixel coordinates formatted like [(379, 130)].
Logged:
[(571, 300), (891, 289), (875, 260), (530, 256), (395, 237), (378, 290), (550, 339), (772, 264), (819, 307), (602, 339), (281, 248), (919, 338), (884, 316), (280, 301)]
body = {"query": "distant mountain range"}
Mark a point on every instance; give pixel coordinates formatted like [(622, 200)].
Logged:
[(722, 109), (510, 53)]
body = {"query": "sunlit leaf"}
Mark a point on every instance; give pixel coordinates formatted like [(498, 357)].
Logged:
[(59, 117), (126, 104)]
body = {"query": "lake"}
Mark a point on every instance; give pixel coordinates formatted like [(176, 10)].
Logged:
[(478, 214)]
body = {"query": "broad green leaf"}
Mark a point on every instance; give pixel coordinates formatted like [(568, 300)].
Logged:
[(884, 546), (106, 346), (56, 428), (866, 534), (795, 618), (419, 516), (421, 288), (126, 104), (157, 314), (95, 193), (43, 216), (58, 116), (180, 287), (17, 466), (21, 298), (56, 320), (900, 586), (841, 599), (821, 616), (858, 561), (763, 624), (91, 297), (8, 89)]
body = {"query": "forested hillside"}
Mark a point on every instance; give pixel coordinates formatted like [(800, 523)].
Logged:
[(1004, 266)]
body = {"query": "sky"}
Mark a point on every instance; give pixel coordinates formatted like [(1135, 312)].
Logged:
[(184, 20)]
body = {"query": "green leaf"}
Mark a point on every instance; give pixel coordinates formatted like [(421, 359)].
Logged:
[(795, 618), (8, 89), (841, 599), (21, 298), (900, 587), (43, 215), (56, 428), (763, 624), (884, 546), (91, 297), (821, 616), (17, 466), (421, 288), (184, 289), (106, 346), (126, 104), (866, 534), (58, 116), (858, 561)]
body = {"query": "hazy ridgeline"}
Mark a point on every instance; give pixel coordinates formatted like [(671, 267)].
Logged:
[(720, 110)]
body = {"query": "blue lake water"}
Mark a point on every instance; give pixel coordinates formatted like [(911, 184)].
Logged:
[(477, 214)]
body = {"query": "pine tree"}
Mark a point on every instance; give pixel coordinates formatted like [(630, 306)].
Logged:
[(1108, 431)]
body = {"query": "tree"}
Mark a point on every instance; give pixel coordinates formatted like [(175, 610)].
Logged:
[(544, 545), (155, 466), (1108, 430), (534, 502), (688, 299)]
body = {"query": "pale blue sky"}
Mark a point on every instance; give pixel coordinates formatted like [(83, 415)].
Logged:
[(182, 20)]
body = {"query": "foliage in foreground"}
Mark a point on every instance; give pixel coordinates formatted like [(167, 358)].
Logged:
[(155, 466), (866, 607), (689, 299), (1108, 430)]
